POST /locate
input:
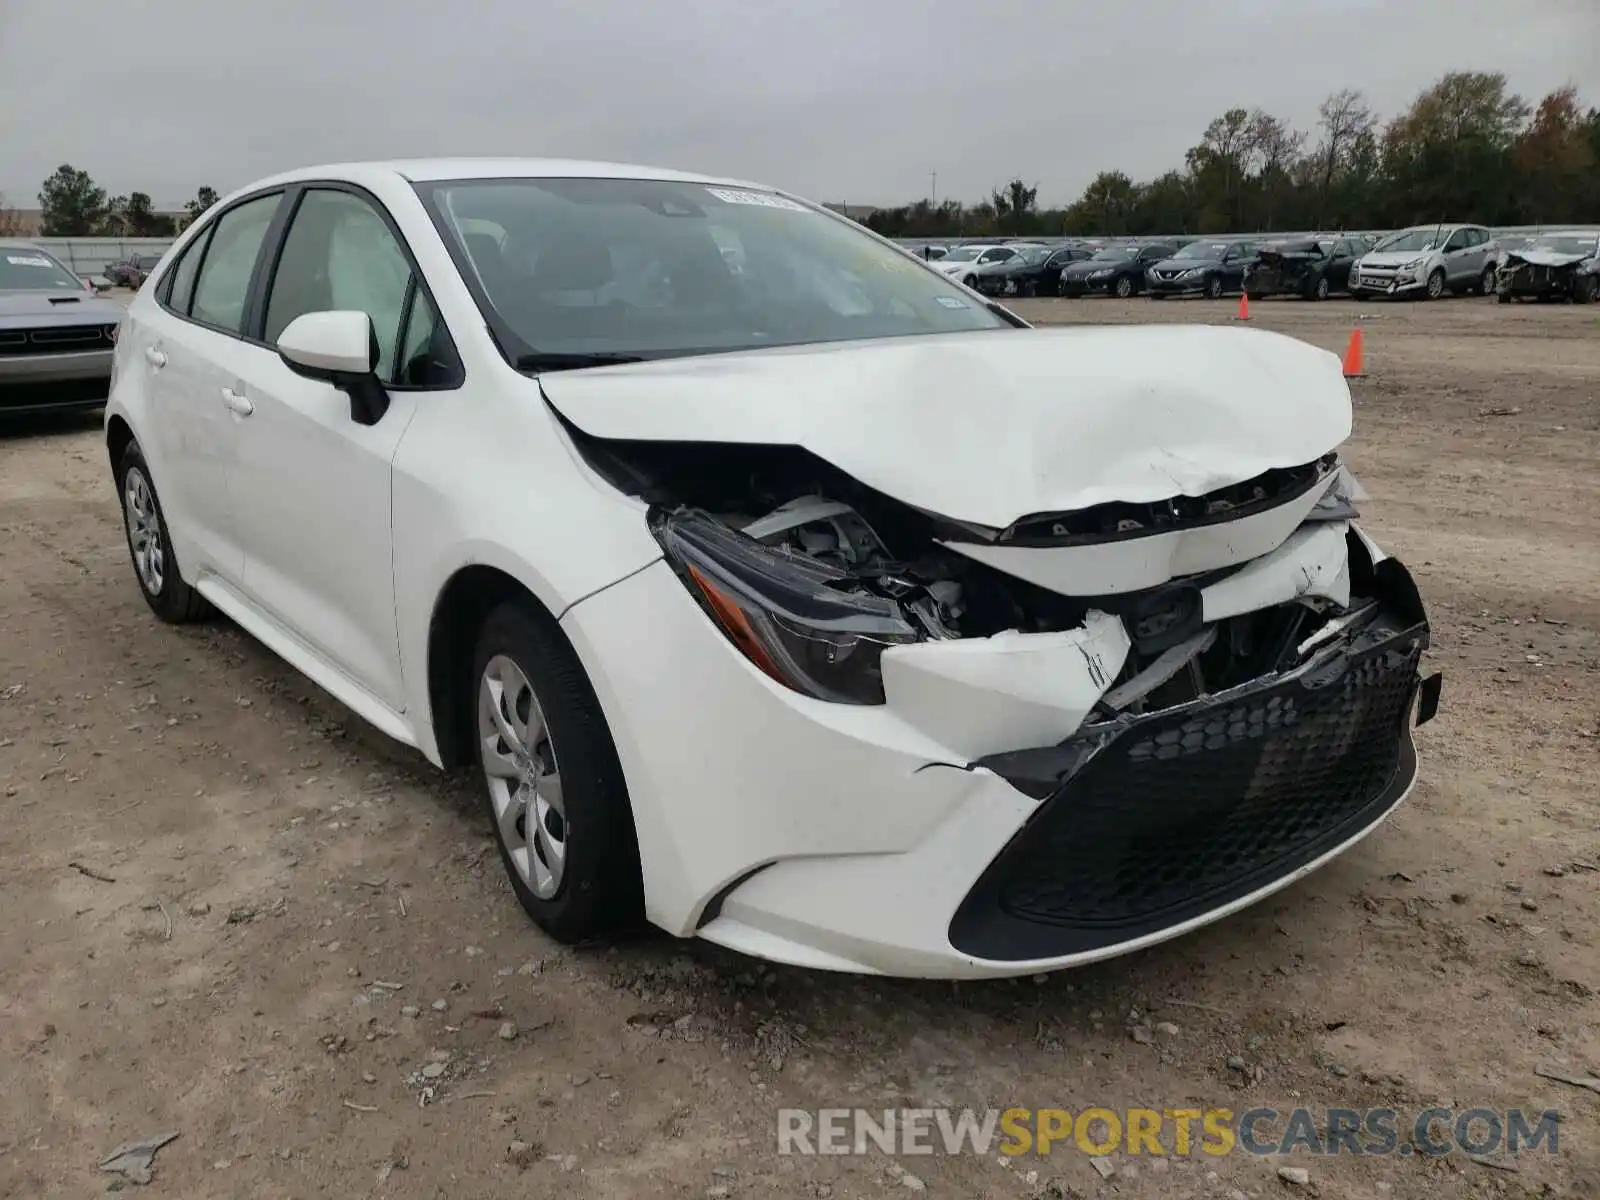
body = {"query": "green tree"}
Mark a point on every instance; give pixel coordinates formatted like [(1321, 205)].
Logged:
[(1555, 162), (203, 199), (1448, 155), (1014, 206), (70, 204), (1107, 204)]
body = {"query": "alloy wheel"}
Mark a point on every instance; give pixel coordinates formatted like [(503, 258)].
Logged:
[(519, 762), (145, 534)]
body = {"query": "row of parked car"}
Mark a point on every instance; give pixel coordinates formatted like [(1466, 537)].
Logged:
[(1426, 261)]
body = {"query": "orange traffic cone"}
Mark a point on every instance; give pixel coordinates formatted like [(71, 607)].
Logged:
[(1244, 306), (1353, 366)]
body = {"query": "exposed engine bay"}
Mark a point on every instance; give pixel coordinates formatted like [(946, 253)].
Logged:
[(813, 574)]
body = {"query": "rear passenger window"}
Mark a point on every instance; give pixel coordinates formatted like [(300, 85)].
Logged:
[(180, 280), (224, 283)]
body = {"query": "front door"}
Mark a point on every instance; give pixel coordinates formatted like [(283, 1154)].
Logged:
[(312, 485)]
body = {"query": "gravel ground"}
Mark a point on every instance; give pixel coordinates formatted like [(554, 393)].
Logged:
[(234, 913)]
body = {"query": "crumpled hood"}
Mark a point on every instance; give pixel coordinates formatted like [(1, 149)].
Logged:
[(993, 426), (1084, 268), (1185, 264), (1546, 258), (72, 308)]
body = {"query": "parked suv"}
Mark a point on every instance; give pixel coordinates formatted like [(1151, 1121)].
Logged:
[(1428, 260)]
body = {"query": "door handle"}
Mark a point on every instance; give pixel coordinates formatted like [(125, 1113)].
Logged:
[(237, 403), (155, 357)]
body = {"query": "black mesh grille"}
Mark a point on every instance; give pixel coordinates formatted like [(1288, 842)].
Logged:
[(1180, 813), (56, 340)]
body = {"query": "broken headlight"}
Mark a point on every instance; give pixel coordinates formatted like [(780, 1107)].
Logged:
[(808, 625)]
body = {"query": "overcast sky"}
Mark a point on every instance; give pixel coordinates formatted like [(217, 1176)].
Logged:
[(855, 102)]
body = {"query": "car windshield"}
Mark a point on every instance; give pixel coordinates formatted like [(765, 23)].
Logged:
[(1202, 250), (964, 254), (1114, 253), (1032, 256), (1414, 239), (25, 269), (1572, 243), (636, 268)]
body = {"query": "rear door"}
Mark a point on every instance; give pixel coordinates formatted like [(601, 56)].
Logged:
[(188, 356), (312, 484)]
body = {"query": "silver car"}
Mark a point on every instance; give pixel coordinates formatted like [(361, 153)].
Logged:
[(1428, 260), (56, 335)]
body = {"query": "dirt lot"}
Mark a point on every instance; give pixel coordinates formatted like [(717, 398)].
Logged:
[(233, 912)]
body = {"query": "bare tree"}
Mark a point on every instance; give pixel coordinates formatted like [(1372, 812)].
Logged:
[(1345, 120), (10, 220)]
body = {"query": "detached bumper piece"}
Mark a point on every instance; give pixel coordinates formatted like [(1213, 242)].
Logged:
[(1150, 822)]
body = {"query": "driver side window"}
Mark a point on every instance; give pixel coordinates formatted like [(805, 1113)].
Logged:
[(340, 254), (1458, 241)]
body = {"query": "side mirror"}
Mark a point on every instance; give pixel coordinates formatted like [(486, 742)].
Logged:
[(339, 348)]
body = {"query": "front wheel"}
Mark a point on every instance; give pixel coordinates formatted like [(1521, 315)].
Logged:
[(1435, 288), (555, 791), (1320, 291), (1583, 292), (971, 281), (1124, 288), (155, 565), (1214, 288), (1486, 282)]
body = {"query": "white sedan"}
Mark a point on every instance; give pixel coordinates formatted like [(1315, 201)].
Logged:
[(819, 609)]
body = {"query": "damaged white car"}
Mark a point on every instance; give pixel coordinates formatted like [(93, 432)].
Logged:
[(818, 609)]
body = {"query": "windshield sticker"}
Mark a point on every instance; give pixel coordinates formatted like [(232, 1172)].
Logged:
[(951, 301), (28, 260), (758, 199)]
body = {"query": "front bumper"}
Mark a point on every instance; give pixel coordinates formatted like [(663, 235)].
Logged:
[(1193, 286), (887, 840), (1084, 286), (55, 368), (1382, 281)]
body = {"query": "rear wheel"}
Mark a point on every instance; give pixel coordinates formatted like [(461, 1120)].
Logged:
[(155, 565), (554, 786)]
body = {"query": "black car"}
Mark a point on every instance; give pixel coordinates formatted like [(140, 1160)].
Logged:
[(1035, 271), (1309, 267), (1205, 268), (1113, 270)]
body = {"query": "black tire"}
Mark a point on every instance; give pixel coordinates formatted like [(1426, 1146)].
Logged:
[(971, 281), (1214, 288), (1320, 289), (163, 588), (1583, 292), (1486, 282), (600, 890), (1435, 288), (1124, 287), (1504, 297)]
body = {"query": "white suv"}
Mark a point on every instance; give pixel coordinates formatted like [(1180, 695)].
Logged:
[(1428, 260)]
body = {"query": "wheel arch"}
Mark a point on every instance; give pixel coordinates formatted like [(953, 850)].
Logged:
[(119, 436), (459, 610)]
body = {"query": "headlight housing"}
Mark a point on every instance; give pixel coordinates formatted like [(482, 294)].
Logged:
[(805, 624)]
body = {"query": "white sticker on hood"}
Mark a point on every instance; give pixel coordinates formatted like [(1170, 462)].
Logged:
[(28, 260), (759, 199)]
